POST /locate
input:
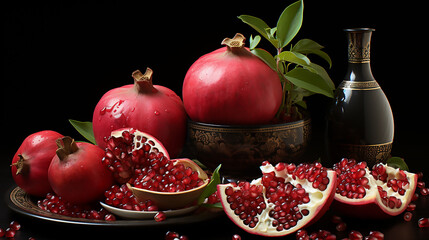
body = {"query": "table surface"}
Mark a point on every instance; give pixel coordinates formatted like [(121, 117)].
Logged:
[(217, 228)]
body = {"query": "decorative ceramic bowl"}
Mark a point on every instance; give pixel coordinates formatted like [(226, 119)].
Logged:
[(174, 200), (242, 149)]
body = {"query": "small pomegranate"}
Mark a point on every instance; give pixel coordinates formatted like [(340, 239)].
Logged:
[(231, 86), (385, 191), (150, 108), (285, 199), (31, 162), (77, 174)]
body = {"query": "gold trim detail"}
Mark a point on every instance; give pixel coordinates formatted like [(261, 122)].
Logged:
[(372, 153), (359, 54), (354, 85), (274, 128)]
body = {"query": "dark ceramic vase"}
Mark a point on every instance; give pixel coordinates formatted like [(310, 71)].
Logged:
[(242, 149), (360, 121)]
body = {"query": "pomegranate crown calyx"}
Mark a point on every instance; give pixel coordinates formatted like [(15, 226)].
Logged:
[(21, 166), (236, 42), (66, 146), (143, 81)]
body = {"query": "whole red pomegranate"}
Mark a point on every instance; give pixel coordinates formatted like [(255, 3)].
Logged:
[(231, 86), (285, 199), (150, 108), (381, 192), (31, 162), (76, 172)]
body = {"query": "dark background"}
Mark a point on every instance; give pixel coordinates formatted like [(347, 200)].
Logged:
[(59, 58)]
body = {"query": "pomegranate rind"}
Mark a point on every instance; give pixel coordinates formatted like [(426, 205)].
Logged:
[(371, 205), (318, 205)]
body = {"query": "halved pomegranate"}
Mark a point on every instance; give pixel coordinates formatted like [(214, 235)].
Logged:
[(378, 193), (285, 199), (129, 149)]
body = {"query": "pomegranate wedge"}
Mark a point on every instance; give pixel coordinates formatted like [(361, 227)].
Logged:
[(285, 199), (378, 193)]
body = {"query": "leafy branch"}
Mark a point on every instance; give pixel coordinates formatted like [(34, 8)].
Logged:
[(299, 76)]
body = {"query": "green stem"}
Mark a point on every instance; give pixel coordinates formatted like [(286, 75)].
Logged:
[(285, 106)]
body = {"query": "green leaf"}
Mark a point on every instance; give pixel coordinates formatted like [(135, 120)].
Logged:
[(254, 41), (289, 23), (294, 57), (259, 25), (212, 186), (308, 46), (397, 162), (266, 57), (310, 81), (319, 70), (85, 129)]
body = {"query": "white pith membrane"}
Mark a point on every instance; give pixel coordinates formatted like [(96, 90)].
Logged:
[(373, 195), (264, 226)]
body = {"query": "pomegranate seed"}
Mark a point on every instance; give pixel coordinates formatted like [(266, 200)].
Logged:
[(15, 225), (236, 237), (376, 235), (341, 227), (2, 232), (411, 207), (355, 235), (424, 191), (110, 217), (31, 238), (420, 175), (301, 234), (170, 235), (423, 222), (408, 216), (10, 233), (160, 216), (421, 184)]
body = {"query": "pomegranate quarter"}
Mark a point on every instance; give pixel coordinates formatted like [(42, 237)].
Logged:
[(378, 193), (285, 199)]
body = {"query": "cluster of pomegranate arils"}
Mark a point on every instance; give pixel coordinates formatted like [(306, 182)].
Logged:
[(55, 204), (10, 232), (351, 185), (140, 163), (122, 197), (164, 175)]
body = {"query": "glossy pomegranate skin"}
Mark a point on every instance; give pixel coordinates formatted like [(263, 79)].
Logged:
[(231, 86), (154, 109), (80, 177), (36, 153)]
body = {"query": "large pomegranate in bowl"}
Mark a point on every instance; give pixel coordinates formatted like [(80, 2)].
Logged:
[(231, 86), (154, 109)]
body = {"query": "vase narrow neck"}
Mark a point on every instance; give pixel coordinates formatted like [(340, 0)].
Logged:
[(359, 52)]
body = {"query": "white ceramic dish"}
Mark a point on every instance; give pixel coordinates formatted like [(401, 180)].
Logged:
[(130, 214)]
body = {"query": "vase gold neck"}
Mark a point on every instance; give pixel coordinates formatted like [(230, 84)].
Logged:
[(359, 44)]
